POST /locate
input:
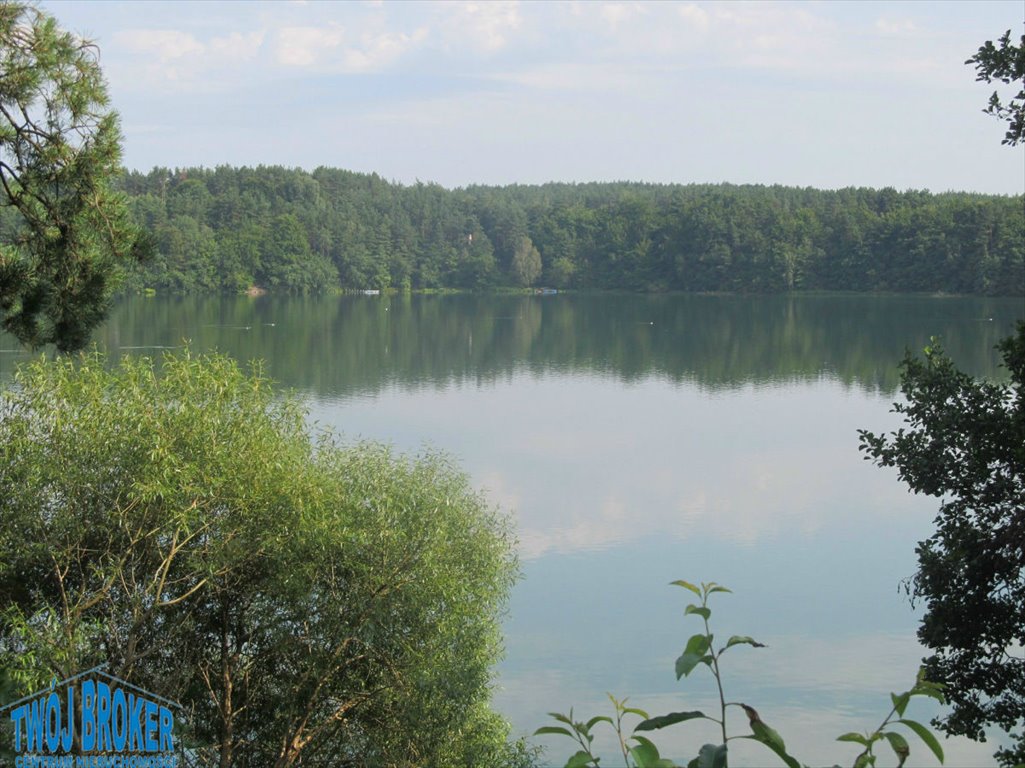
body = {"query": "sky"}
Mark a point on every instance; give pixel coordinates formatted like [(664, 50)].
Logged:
[(821, 94)]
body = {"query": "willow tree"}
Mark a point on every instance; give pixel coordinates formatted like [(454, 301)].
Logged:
[(306, 602), (60, 149), (526, 263)]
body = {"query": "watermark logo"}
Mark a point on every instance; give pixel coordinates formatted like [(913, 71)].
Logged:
[(93, 720)]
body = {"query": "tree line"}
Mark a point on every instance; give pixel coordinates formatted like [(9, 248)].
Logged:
[(228, 229)]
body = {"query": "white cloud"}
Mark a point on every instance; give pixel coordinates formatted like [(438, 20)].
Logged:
[(170, 45), (485, 27), (378, 51), (165, 44), (237, 46), (362, 47), (171, 57), (304, 46), (896, 27), (571, 77), (772, 36), (695, 16), (691, 64), (614, 14)]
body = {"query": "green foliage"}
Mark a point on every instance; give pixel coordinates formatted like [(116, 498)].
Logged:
[(60, 148), (642, 237), (288, 261), (640, 752), (1004, 64), (964, 443), (526, 263), (305, 601)]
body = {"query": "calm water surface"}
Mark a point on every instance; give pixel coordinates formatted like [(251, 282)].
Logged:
[(637, 440)]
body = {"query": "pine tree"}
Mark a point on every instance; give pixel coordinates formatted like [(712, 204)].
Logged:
[(60, 149)]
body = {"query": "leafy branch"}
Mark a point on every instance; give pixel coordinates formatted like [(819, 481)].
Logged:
[(640, 752)]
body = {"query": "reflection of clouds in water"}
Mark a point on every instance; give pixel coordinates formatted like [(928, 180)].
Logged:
[(496, 487), (809, 689), (846, 664), (758, 496), (602, 464), (746, 498), (618, 490), (609, 523)]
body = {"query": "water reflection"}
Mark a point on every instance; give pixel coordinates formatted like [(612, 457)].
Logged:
[(638, 440), (839, 637), (341, 346), (588, 463), (619, 488)]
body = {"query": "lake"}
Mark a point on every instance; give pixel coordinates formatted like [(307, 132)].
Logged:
[(637, 440)]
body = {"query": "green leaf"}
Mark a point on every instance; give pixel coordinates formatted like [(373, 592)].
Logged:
[(693, 655), (561, 717), (635, 711), (745, 640), (900, 703), (923, 687), (645, 754), (698, 644), (711, 756), (552, 729), (790, 761), (663, 721), (925, 735), (767, 736), (865, 760), (713, 587), (598, 719), (580, 759), (899, 745), (687, 585), (931, 691), (857, 738), (701, 611), (922, 681)]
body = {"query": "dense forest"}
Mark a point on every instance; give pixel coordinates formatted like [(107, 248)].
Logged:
[(228, 229)]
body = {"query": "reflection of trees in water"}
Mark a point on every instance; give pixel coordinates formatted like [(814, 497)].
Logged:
[(351, 344)]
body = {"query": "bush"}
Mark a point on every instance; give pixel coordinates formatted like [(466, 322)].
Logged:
[(302, 599)]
